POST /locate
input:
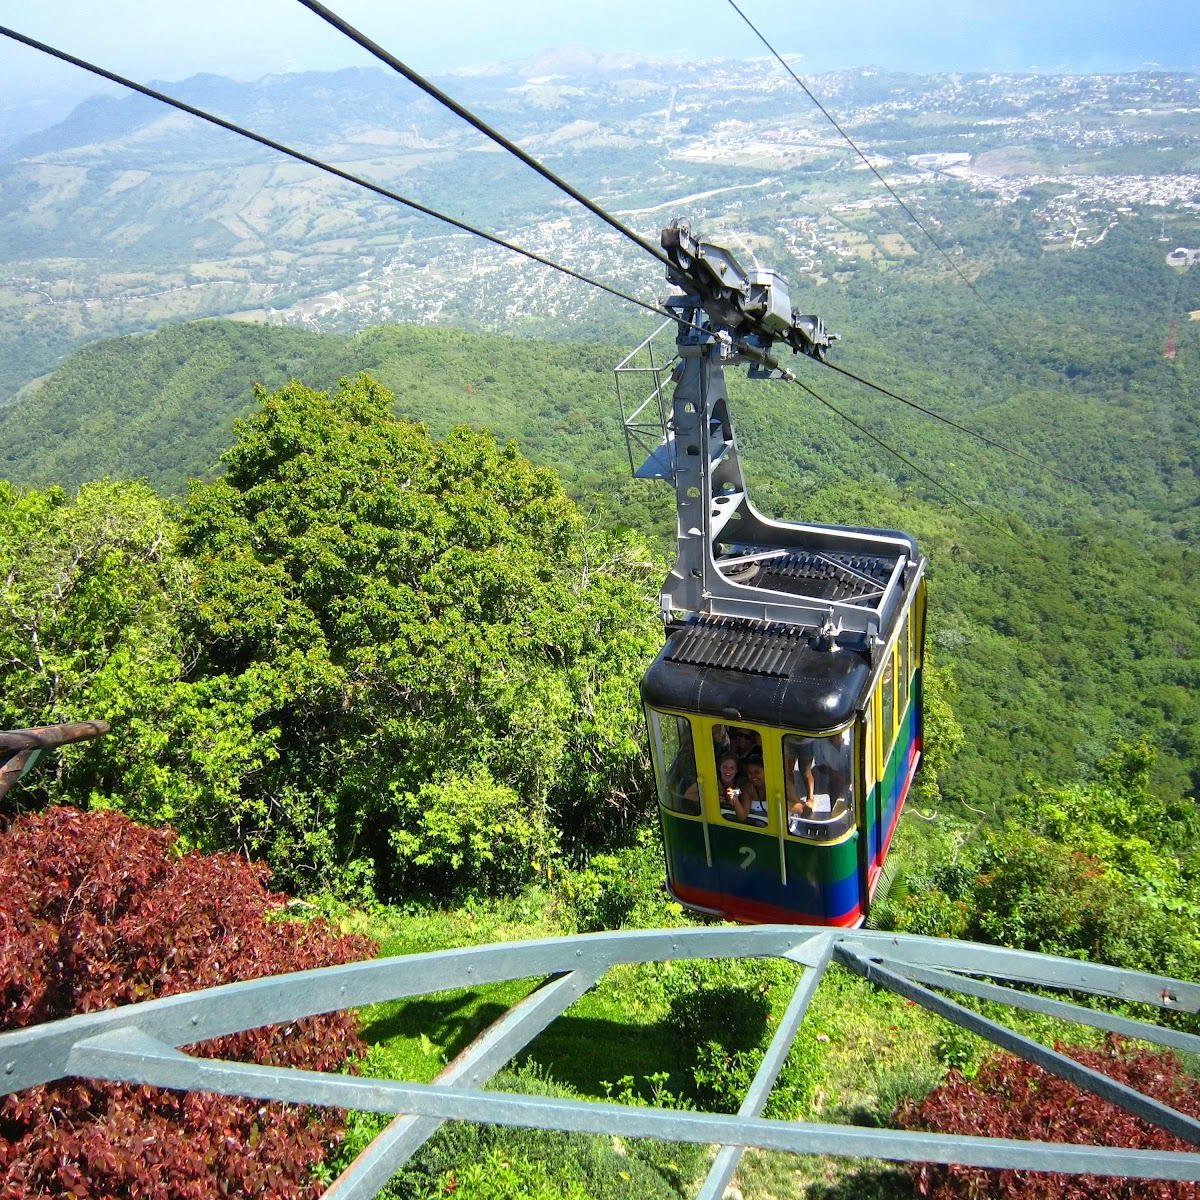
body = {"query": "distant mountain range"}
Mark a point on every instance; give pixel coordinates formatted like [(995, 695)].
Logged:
[(126, 215)]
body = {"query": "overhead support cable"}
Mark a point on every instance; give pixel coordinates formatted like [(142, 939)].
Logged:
[(924, 474), (866, 161), (432, 90), (320, 165), (908, 462), (937, 416), (766, 360), (937, 245), (463, 226)]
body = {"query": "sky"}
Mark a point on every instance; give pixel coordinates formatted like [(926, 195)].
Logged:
[(171, 39)]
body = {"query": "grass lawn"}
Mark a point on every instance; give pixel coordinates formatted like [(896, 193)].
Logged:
[(861, 1050), (872, 1046)]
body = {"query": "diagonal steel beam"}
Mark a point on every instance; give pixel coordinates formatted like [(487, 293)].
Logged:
[(1132, 1101), (39, 1054), (1177, 1039), (490, 1051), (1026, 966), (728, 1157), (131, 1056)]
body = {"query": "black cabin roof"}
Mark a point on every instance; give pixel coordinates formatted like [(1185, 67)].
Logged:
[(750, 671)]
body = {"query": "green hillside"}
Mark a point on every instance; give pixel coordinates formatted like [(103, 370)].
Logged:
[(401, 669), (156, 406), (161, 406), (1061, 597), (369, 606), (1067, 368)]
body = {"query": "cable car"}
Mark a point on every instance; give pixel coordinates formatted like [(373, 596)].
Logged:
[(784, 710)]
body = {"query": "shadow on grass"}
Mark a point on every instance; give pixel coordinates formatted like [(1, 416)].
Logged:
[(869, 1183), (450, 1020), (581, 1050), (587, 1052)]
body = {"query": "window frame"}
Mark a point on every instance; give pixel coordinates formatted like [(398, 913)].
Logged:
[(888, 720), (715, 815), (662, 770)]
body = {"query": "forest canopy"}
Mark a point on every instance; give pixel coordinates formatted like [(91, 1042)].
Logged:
[(1061, 599), (362, 654), (280, 624)]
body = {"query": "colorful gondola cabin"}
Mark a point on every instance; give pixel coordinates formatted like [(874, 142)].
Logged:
[(784, 711)]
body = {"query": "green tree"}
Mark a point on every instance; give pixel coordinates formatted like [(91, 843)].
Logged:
[(944, 736), (1103, 869), (1117, 819), (428, 662), (92, 592)]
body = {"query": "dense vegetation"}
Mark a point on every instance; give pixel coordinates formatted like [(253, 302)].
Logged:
[(1103, 868), (1012, 1098), (373, 659), (398, 662), (1062, 609)]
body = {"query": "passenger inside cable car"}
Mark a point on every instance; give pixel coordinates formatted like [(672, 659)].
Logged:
[(730, 784), (741, 786), (818, 779)]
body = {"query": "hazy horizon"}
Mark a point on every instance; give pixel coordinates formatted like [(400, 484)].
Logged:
[(247, 39)]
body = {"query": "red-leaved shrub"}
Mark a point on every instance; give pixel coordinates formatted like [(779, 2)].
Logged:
[(96, 911), (1011, 1098)]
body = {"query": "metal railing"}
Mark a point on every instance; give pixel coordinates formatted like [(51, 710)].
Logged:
[(646, 420), (139, 1043)]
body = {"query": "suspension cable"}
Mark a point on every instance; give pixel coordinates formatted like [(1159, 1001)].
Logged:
[(937, 416), (908, 462), (870, 165), (924, 229), (328, 168), (764, 359), (432, 90), (425, 210)]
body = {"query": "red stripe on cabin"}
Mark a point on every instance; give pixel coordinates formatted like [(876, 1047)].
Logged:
[(755, 912)]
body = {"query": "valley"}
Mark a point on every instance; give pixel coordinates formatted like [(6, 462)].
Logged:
[(327, 509), (127, 216)]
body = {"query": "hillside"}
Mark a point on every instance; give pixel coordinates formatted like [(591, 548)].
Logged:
[(161, 406), (328, 511), (126, 216), (1062, 608), (1062, 595), (1076, 379), (403, 670)]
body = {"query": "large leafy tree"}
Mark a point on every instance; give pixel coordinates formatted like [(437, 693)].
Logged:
[(420, 659)]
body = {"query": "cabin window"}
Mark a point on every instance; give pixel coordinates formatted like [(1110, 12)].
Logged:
[(888, 730), (818, 780), (740, 774), (917, 622), (869, 752), (678, 785), (818, 776), (902, 676)]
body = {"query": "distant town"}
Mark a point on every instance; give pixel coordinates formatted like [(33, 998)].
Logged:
[(156, 220)]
